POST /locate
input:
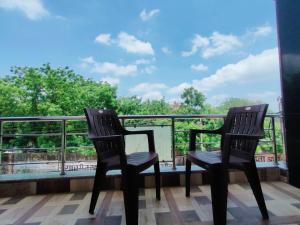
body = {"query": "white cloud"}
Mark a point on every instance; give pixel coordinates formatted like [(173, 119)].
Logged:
[(217, 99), (33, 9), (140, 66), (132, 45), (112, 68), (260, 31), (103, 39), (144, 15), (179, 89), (166, 50), (127, 42), (262, 95), (147, 87), (220, 44), (108, 67), (254, 68), (197, 43), (175, 101), (149, 69), (142, 61), (216, 44), (111, 80), (199, 67), (154, 95), (85, 62), (88, 60), (270, 97), (151, 91), (145, 65)]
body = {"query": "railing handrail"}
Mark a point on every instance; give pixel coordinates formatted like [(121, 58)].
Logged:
[(166, 116)]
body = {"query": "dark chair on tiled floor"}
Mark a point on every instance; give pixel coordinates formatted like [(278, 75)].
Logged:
[(240, 134), (108, 137)]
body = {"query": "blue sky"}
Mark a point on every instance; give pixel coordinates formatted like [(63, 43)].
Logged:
[(152, 49)]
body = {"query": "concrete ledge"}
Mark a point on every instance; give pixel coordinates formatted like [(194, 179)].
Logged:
[(79, 181)]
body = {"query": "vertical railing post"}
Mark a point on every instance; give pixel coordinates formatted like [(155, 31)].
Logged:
[(173, 143), (123, 122), (63, 146), (201, 136), (274, 140), (282, 129)]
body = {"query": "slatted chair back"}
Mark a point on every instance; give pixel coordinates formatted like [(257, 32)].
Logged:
[(104, 122), (247, 120)]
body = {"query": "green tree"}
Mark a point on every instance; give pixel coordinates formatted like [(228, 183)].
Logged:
[(10, 101), (54, 91), (235, 102), (47, 91), (193, 101), (155, 107), (129, 105)]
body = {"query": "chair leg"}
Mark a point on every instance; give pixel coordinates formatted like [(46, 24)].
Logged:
[(219, 193), (187, 178), (157, 180), (131, 195), (99, 179), (253, 179)]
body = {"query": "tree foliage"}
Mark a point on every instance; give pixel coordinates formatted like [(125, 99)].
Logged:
[(235, 102), (47, 91), (193, 100)]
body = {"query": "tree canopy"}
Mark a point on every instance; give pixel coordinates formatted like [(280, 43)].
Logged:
[(47, 91)]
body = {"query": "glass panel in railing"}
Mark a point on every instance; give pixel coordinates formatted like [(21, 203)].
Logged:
[(30, 147), (162, 138), (80, 154)]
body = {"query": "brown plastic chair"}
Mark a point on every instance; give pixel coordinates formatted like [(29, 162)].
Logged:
[(242, 129), (107, 135)]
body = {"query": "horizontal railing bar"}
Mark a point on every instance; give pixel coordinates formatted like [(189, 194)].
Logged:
[(18, 149), (54, 162), (55, 148), (197, 143), (27, 163), (32, 135), (75, 118), (147, 125)]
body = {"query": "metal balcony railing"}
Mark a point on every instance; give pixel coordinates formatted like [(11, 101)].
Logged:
[(14, 134)]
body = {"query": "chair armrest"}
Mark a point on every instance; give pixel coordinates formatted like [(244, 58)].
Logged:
[(150, 136), (244, 136), (129, 132), (194, 132), (106, 138)]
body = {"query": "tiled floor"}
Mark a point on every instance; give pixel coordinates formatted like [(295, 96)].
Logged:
[(283, 202)]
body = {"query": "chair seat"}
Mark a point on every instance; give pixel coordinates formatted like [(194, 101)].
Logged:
[(137, 160), (208, 159)]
